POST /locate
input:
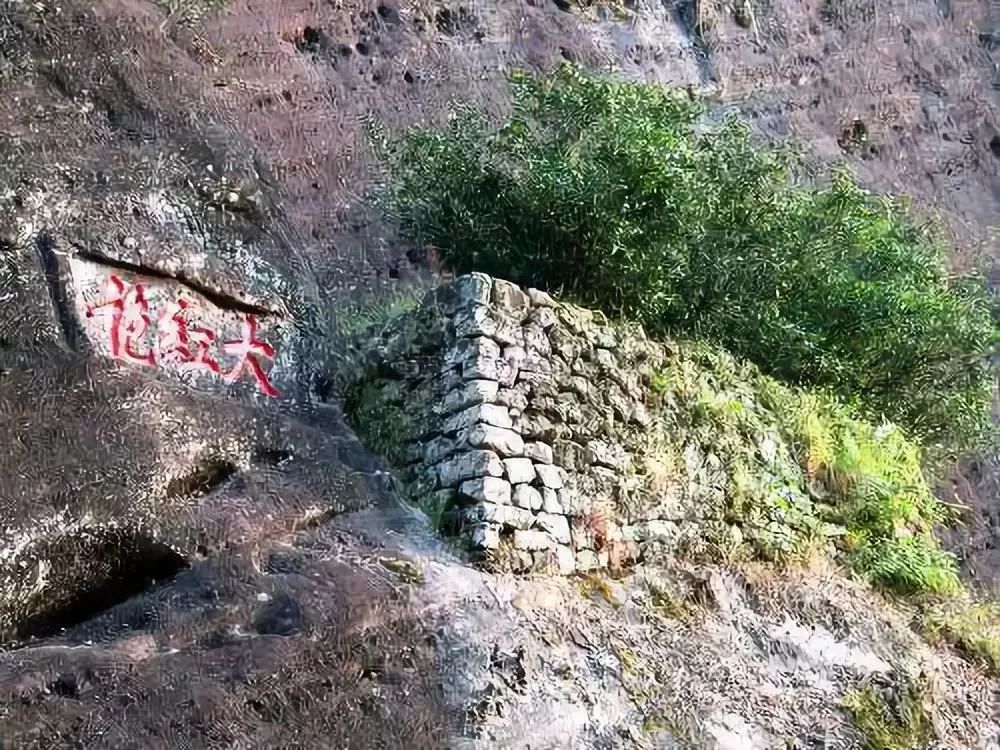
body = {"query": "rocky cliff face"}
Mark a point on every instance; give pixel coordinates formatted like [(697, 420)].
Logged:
[(197, 552)]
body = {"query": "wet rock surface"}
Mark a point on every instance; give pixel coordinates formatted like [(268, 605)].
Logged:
[(187, 560)]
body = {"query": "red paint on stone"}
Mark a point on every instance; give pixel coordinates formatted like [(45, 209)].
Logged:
[(180, 341)]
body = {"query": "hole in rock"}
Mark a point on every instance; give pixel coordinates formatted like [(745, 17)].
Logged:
[(205, 478), (310, 40), (92, 572)]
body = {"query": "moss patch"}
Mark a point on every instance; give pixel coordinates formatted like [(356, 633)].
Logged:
[(891, 719), (971, 627)]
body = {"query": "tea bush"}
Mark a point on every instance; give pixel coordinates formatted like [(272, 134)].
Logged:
[(618, 195)]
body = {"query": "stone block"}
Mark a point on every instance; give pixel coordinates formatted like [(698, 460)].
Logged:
[(471, 465), (532, 540), (536, 343), (550, 476), (519, 470), (493, 414), (479, 320), (486, 535), (538, 298), (538, 452), (607, 454), (473, 289), (587, 560), (527, 497), (543, 317), (486, 490), (468, 394), (438, 449), (555, 525), (506, 443), (605, 359), (565, 559), (506, 515), (571, 455), (510, 296), (515, 397), (568, 500), (468, 350), (550, 501)]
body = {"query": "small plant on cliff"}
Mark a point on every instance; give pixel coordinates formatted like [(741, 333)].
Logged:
[(891, 719), (619, 195)]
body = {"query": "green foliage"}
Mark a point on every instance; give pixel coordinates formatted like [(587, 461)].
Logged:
[(893, 719), (619, 195), (375, 313), (973, 627), (800, 464), (869, 478)]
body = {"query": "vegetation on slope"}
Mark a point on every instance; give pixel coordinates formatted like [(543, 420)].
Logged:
[(628, 198), (802, 468), (620, 196)]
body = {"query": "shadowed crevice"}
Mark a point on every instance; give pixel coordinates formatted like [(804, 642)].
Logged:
[(93, 573), (219, 299)]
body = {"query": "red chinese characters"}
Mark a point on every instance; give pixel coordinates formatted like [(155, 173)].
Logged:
[(180, 341), (248, 349), (129, 313)]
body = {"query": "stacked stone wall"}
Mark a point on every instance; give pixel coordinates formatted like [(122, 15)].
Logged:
[(526, 423)]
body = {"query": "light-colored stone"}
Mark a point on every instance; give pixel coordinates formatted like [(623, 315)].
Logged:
[(568, 500), (486, 490), (536, 343), (532, 540), (659, 531), (479, 358), (515, 398), (605, 338), (505, 515), (469, 465), (468, 394), (509, 296), (605, 453), (480, 320), (486, 535), (467, 351), (550, 476), (473, 289), (515, 355), (537, 426), (565, 559), (538, 298), (519, 470), (538, 364), (587, 560), (494, 414), (538, 452), (555, 525), (550, 501), (544, 317), (506, 443), (571, 455), (527, 497), (605, 359)]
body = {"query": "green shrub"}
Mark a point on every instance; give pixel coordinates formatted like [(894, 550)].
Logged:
[(895, 719), (828, 467), (618, 195), (972, 627)]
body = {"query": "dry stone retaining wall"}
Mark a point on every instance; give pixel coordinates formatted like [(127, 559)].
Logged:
[(526, 424)]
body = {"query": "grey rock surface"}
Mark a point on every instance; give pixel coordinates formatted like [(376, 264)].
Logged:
[(189, 562)]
